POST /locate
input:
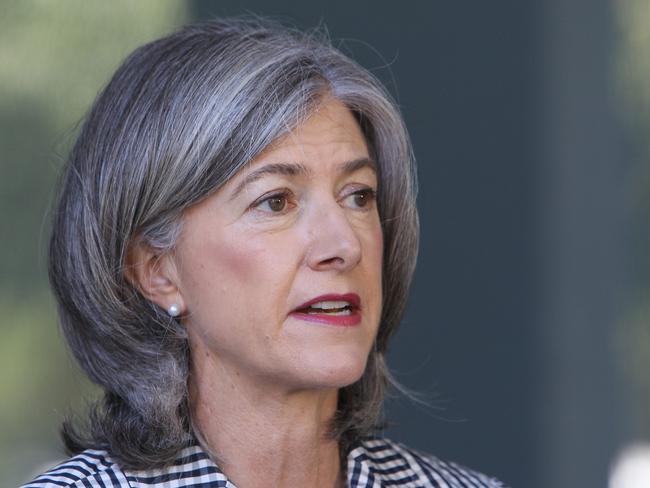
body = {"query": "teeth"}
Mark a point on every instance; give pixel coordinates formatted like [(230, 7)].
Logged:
[(328, 305), (346, 311)]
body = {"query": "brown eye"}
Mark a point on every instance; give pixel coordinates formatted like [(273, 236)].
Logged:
[(277, 203), (362, 199)]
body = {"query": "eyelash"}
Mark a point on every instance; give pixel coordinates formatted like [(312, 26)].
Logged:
[(367, 192), (286, 194)]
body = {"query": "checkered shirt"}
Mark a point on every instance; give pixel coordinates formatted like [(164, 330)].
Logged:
[(374, 463)]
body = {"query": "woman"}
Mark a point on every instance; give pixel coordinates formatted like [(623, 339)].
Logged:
[(233, 246)]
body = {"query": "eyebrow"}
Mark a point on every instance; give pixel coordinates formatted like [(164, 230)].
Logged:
[(296, 169)]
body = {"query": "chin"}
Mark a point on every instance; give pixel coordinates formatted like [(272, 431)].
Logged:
[(338, 371)]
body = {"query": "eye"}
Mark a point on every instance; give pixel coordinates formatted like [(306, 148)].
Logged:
[(275, 203), (362, 199)]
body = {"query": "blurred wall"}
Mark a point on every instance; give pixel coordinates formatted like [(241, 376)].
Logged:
[(584, 243), (54, 58)]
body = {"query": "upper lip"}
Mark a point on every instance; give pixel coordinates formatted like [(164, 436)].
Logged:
[(352, 298)]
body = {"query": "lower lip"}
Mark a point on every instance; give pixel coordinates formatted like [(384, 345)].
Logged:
[(338, 320)]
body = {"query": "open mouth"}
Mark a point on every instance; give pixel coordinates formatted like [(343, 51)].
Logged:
[(334, 308)]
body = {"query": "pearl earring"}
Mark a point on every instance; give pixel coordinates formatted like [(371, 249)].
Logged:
[(174, 310)]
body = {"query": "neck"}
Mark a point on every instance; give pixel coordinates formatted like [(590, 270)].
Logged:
[(265, 436)]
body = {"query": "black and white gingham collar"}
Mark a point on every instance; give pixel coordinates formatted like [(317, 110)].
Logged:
[(374, 463)]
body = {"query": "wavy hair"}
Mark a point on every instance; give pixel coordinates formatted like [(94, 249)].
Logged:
[(177, 120)]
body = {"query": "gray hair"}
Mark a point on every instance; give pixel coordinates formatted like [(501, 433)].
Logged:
[(179, 118)]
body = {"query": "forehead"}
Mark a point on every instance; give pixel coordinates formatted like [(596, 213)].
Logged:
[(330, 129), (329, 142)]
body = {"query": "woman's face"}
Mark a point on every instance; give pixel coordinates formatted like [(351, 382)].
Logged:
[(298, 227)]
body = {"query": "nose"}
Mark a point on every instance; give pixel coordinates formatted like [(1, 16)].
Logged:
[(333, 244)]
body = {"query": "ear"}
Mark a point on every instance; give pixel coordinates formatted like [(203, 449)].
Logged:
[(154, 274)]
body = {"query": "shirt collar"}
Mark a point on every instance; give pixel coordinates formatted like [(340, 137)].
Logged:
[(371, 463)]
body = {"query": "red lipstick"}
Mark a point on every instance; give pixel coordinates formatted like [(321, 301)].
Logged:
[(339, 310)]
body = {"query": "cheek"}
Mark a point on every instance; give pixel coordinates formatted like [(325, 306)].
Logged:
[(373, 257), (378, 241), (214, 264), (376, 253), (232, 280), (378, 256)]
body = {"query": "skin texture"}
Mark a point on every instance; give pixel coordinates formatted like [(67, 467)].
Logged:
[(264, 383)]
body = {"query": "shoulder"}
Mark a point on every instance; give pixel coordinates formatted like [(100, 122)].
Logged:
[(192, 468), (89, 468), (376, 462)]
